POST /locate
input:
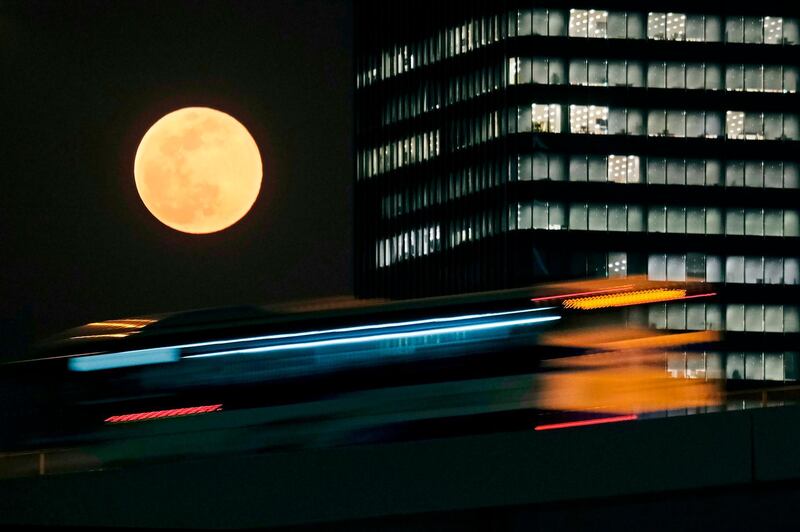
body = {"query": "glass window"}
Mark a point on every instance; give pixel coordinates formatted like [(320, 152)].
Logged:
[(791, 175), (617, 168), (635, 74), (617, 218), (734, 269), (734, 29), (656, 122), (657, 267), (713, 221), (753, 30), (557, 216), (636, 26), (791, 223), (734, 318), (791, 319), (773, 126), (656, 171), (617, 25), (754, 366), (713, 172), (657, 316), (695, 220), (713, 269), (539, 166), (773, 366), (695, 76), (676, 26), (696, 266), (695, 317), (734, 366), (598, 168), (773, 318), (734, 222), (546, 118), (754, 318), (617, 264), (539, 22), (635, 122), (754, 78), (588, 119), (773, 270), (578, 168), (773, 79), (656, 75), (695, 124), (635, 218), (676, 172), (557, 22), (598, 24), (754, 126), (597, 218), (791, 271), (676, 220), (695, 28), (578, 74), (598, 74), (656, 219), (676, 76), (676, 124), (753, 174), (695, 172), (791, 127), (713, 77), (734, 124), (676, 268), (657, 26), (539, 215), (616, 121), (754, 222), (713, 125), (676, 316), (753, 270), (714, 317), (616, 73), (773, 222), (577, 216), (773, 30), (790, 77)]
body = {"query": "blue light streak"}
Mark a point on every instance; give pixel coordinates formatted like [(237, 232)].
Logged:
[(172, 354), (365, 327), (378, 337), (141, 357)]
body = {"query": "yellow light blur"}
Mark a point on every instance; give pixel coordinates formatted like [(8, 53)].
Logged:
[(624, 299)]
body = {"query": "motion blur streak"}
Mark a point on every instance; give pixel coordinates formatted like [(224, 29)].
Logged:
[(621, 382), (160, 414), (592, 292), (366, 327), (615, 419), (612, 339), (379, 337), (638, 297), (124, 359)]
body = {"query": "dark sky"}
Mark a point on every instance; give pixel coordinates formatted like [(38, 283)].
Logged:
[(81, 82)]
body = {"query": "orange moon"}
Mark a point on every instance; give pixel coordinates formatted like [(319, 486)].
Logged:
[(198, 170)]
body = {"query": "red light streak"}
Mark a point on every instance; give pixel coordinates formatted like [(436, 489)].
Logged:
[(700, 295), (593, 292), (158, 414), (601, 421)]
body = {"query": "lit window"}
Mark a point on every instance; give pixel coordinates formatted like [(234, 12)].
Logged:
[(666, 26), (546, 118), (588, 23), (734, 124), (589, 119), (773, 30), (623, 168)]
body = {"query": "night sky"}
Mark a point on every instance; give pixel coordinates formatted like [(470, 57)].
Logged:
[(83, 81)]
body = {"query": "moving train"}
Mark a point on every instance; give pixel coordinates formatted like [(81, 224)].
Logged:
[(350, 359)]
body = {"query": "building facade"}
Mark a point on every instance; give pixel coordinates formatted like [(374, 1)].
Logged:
[(500, 144)]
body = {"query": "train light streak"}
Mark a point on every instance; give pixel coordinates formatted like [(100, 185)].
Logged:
[(592, 292), (600, 421), (124, 359), (379, 337), (161, 414), (637, 297)]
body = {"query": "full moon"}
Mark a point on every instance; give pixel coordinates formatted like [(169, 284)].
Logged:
[(198, 170)]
